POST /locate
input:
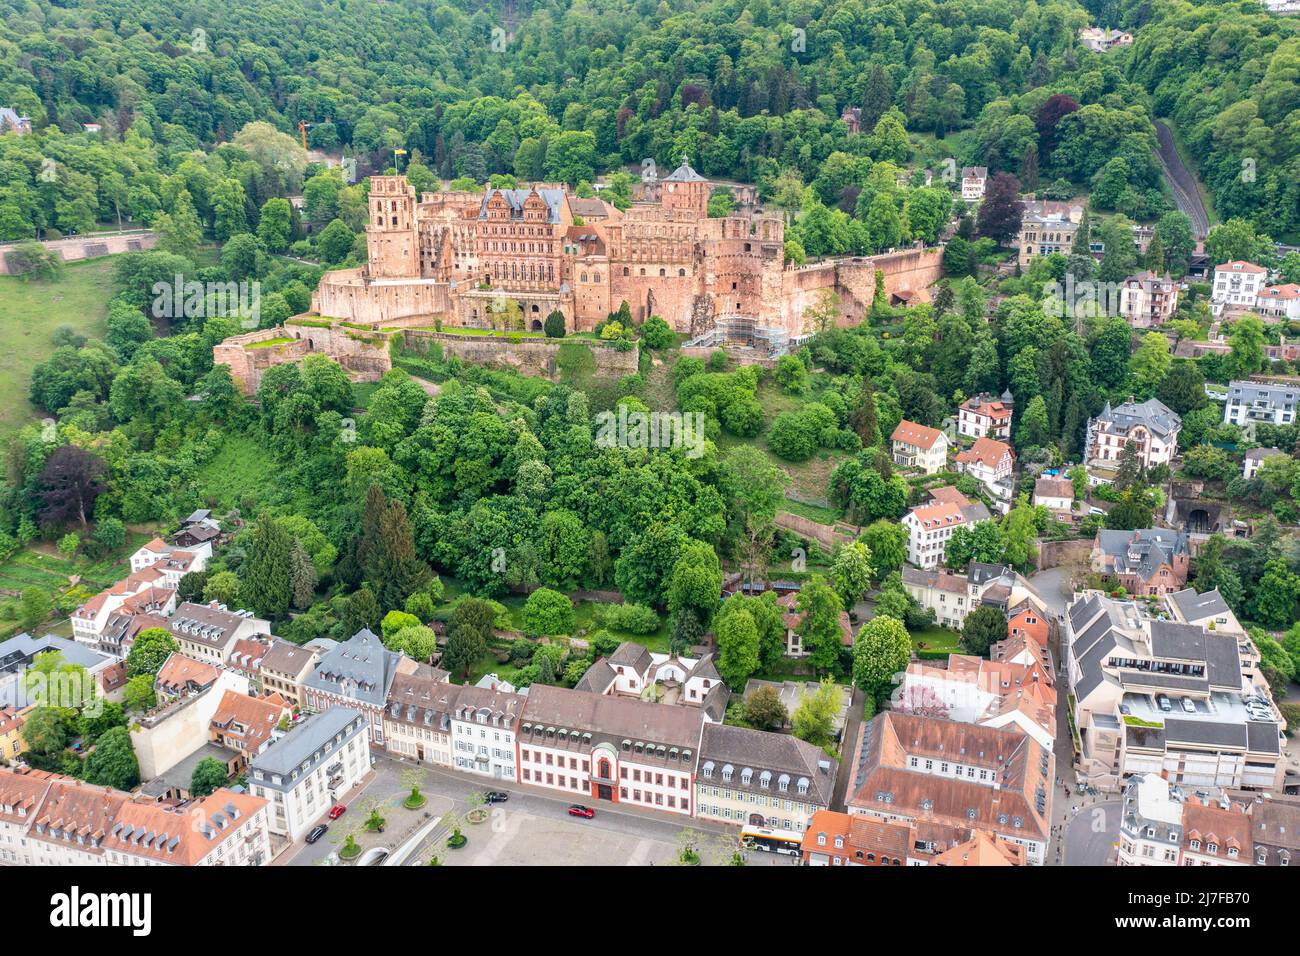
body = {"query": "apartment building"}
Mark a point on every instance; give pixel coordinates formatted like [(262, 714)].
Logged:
[(929, 526), (417, 721), (920, 447), (301, 775), (1147, 299), (484, 731), (208, 632), (1151, 426), (1153, 694), (926, 770), (982, 416), (1147, 562), (754, 778), (51, 820), (1237, 284), (1253, 402)]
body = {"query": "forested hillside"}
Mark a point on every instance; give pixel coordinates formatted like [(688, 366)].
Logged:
[(570, 90)]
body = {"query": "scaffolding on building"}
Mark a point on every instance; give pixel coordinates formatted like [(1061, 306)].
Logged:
[(744, 331)]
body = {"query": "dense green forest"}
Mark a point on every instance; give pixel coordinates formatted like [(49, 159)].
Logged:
[(570, 90)]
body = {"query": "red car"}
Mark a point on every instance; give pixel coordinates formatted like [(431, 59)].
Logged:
[(337, 811), (578, 810)]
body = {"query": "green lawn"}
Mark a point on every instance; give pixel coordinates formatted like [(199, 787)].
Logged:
[(937, 639), (29, 314)]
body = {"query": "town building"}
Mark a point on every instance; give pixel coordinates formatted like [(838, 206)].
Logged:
[(1101, 39), (1276, 830), (952, 595), (284, 670), (11, 122), (929, 526), (182, 676), (1056, 495), (1155, 695), (1164, 825), (1279, 302), (301, 774), (1151, 426), (1148, 300), (1150, 823), (922, 769), (973, 180), (972, 690), (143, 592), (610, 748), (1252, 402), (172, 561), (754, 778), (17, 656), (920, 447), (634, 671), (842, 839), (1237, 285), (991, 463), (417, 721), (1216, 834), (1146, 562), (484, 728), (51, 820), (358, 674), (983, 417), (1255, 457), (1047, 226), (209, 632), (246, 725), (792, 617), (12, 744), (179, 724)]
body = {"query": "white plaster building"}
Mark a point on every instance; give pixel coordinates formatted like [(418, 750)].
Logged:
[(302, 774)]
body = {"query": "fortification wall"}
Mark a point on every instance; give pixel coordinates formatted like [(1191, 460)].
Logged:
[(364, 355), (529, 356), (76, 248), (345, 294)]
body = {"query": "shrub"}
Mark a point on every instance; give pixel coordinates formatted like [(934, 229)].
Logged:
[(632, 618)]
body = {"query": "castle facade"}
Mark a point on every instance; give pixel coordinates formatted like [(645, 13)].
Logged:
[(510, 257)]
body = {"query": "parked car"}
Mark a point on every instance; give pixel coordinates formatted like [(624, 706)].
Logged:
[(316, 833), (337, 811), (578, 810), (1164, 703), (497, 796), (1188, 705)]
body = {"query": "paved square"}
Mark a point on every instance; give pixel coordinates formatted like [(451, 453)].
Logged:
[(519, 838)]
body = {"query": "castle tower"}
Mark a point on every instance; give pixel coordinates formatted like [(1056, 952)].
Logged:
[(391, 242), (686, 189)]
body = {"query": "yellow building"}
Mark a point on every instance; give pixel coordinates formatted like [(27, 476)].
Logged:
[(12, 743)]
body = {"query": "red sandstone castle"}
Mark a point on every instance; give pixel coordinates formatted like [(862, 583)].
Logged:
[(461, 257)]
